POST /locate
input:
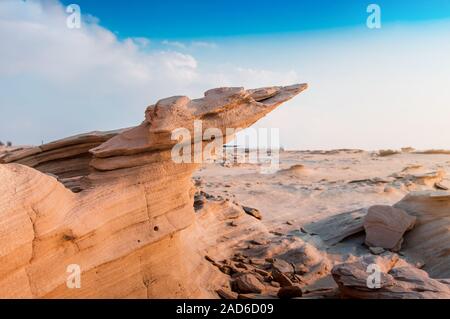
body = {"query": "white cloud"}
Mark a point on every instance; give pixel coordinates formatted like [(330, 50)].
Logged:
[(58, 81), (175, 44), (190, 45), (48, 49), (371, 90), (204, 44)]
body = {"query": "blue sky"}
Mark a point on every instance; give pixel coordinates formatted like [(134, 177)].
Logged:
[(182, 19), (368, 88)]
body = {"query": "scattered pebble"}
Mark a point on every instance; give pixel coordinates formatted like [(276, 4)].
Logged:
[(252, 212), (376, 250)]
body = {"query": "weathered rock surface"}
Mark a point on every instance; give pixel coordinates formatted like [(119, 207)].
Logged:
[(281, 278), (68, 159), (290, 260), (281, 265), (385, 226), (428, 179), (288, 292), (376, 250), (430, 238), (248, 283), (252, 211), (226, 294), (397, 280), (334, 229), (130, 227)]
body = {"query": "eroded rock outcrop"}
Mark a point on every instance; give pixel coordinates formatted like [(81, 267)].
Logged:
[(430, 238), (397, 280), (336, 228), (385, 226), (127, 225), (428, 241)]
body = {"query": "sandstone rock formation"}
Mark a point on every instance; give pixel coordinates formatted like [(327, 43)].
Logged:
[(397, 280), (385, 226), (130, 223), (336, 228), (67, 159), (429, 241), (430, 238)]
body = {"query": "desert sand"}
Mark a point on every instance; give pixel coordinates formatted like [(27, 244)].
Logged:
[(140, 225), (321, 199)]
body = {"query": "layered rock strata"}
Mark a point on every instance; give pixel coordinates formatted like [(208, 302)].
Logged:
[(129, 226)]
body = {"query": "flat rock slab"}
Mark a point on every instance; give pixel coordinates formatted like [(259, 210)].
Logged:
[(290, 292), (385, 226), (336, 228), (226, 294), (248, 283)]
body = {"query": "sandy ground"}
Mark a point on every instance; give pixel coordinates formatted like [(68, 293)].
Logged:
[(308, 188), (311, 186), (325, 184)]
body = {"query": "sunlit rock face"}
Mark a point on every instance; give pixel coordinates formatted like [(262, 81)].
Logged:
[(116, 205)]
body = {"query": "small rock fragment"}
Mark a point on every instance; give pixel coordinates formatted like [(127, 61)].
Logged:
[(282, 266), (252, 212), (241, 265), (226, 293), (258, 242), (281, 278), (256, 261), (228, 270), (232, 224), (276, 233), (376, 250), (262, 272), (211, 260), (290, 292), (441, 186), (275, 284), (248, 283)]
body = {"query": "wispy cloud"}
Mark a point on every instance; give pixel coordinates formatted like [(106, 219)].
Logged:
[(190, 45), (58, 81), (204, 44), (175, 44)]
